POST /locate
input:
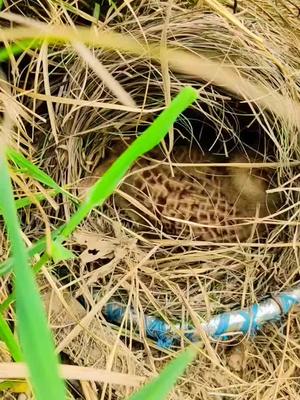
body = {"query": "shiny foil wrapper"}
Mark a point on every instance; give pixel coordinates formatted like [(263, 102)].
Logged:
[(246, 321)]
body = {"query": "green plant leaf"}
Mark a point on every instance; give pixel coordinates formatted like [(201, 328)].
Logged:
[(27, 167), (18, 48), (160, 387), (37, 248), (104, 188), (96, 13), (35, 337), (9, 339), (152, 136), (11, 298), (14, 386), (59, 252), (27, 201)]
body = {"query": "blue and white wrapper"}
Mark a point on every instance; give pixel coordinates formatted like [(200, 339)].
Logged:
[(246, 321)]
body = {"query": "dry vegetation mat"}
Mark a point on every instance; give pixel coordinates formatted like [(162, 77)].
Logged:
[(205, 223)]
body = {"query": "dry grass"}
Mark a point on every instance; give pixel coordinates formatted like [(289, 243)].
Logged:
[(75, 111)]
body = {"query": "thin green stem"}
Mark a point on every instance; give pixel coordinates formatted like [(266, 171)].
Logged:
[(8, 337), (18, 48), (35, 337), (108, 183), (11, 298)]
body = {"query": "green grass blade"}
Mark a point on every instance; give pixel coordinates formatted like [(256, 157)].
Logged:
[(160, 387), (35, 337), (144, 143), (60, 253), (105, 187), (9, 339), (36, 248), (27, 201), (96, 13), (18, 48), (153, 135), (12, 297), (27, 167), (18, 386)]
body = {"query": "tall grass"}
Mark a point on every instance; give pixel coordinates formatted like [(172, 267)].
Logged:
[(35, 337)]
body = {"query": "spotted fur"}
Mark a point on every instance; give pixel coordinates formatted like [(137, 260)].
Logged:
[(208, 203)]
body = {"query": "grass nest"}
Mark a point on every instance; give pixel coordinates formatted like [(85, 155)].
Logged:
[(154, 272)]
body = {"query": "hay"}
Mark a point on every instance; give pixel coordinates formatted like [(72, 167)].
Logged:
[(169, 276)]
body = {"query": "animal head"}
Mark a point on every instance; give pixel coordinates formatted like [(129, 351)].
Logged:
[(252, 182)]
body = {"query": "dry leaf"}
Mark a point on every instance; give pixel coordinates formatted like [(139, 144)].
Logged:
[(96, 247)]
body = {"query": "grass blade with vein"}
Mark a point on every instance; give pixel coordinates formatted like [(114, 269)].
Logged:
[(153, 135), (159, 388), (8, 338), (18, 48), (35, 337), (103, 188), (33, 171)]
